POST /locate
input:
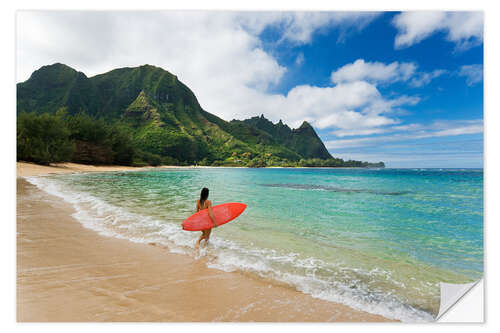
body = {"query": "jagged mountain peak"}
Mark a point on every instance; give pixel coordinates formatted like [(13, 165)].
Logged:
[(305, 124), (303, 140), (163, 112)]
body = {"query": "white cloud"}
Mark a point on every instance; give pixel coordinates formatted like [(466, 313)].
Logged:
[(408, 127), (471, 129), (379, 130), (463, 28), (351, 105), (402, 149), (374, 72), (359, 132), (390, 105), (472, 73), (413, 132), (379, 72), (217, 54), (423, 78), (300, 59), (299, 27), (344, 106)]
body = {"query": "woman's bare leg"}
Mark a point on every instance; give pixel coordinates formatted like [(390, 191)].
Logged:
[(197, 245), (207, 236)]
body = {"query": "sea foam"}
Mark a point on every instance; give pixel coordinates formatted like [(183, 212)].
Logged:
[(112, 221)]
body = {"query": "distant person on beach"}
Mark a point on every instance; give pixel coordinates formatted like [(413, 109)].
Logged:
[(202, 204)]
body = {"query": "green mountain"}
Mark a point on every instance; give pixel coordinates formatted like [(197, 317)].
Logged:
[(302, 140), (162, 117), (55, 86)]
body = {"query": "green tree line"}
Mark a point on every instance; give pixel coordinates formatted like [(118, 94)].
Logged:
[(51, 138), (47, 138)]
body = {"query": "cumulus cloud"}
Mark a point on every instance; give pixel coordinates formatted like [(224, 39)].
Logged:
[(374, 71), (217, 54), (379, 72), (344, 106), (472, 73), (299, 27), (465, 29)]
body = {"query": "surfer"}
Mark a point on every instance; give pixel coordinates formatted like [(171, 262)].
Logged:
[(202, 204)]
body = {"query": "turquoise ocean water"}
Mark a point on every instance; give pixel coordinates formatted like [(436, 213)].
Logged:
[(378, 240)]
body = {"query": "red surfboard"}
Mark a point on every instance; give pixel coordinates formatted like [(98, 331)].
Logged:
[(223, 213)]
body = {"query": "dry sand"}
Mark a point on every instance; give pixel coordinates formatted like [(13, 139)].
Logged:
[(31, 169), (68, 273)]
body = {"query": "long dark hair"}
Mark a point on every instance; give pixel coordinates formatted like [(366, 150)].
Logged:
[(203, 196)]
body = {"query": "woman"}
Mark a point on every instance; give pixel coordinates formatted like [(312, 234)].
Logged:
[(202, 204)]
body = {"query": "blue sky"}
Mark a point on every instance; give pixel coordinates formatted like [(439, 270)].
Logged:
[(448, 98), (403, 88)]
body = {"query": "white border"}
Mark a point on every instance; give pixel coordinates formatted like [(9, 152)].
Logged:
[(469, 309), (492, 167)]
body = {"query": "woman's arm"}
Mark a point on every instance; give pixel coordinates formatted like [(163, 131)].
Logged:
[(211, 214)]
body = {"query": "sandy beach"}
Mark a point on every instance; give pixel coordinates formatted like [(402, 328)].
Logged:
[(68, 273), (25, 169)]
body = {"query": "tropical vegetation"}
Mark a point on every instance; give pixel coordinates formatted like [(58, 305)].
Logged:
[(145, 116)]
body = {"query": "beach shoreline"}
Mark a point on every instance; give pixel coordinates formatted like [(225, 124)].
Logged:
[(68, 273), (25, 169)]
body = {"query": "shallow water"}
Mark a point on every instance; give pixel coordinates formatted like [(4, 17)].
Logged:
[(379, 240)]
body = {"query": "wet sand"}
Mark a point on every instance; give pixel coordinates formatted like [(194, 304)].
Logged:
[(68, 273)]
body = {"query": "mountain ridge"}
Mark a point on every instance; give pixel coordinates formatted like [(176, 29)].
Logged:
[(304, 138), (165, 118)]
